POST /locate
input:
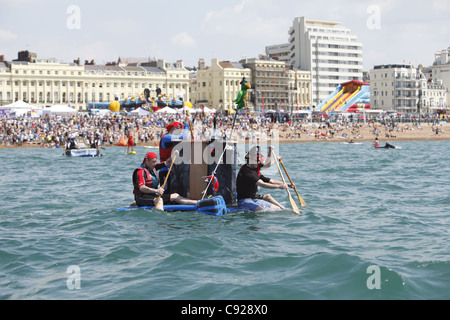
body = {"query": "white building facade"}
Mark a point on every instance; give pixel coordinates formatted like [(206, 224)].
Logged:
[(329, 51), (219, 84), (44, 82), (405, 89), (440, 70), (280, 52)]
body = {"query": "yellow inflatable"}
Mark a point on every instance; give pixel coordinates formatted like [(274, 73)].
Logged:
[(114, 106), (188, 104)]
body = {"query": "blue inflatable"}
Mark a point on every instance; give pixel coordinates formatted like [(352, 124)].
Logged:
[(214, 206)]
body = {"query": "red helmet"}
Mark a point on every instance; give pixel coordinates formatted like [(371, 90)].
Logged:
[(176, 125), (150, 155)]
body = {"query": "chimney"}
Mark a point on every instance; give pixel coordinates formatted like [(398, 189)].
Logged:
[(201, 64), (444, 57)]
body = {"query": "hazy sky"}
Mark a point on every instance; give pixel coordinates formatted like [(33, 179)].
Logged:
[(391, 31)]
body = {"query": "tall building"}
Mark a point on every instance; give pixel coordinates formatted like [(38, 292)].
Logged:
[(328, 50), (279, 52)]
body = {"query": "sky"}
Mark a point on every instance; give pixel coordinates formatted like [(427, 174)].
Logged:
[(391, 31)]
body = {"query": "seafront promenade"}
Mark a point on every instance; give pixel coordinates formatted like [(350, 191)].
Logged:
[(51, 131)]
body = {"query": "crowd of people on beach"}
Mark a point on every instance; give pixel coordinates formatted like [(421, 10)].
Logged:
[(56, 131)]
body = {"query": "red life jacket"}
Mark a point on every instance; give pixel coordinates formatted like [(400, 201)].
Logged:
[(149, 180)]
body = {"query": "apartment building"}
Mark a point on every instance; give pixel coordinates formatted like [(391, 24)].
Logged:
[(328, 50), (219, 84), (44, 82), (405, 89), (279, 52), (277, 85), (440, 70)]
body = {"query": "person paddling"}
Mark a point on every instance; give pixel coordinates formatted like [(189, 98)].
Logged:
[(147, 185), (250, 178), (130, 143)]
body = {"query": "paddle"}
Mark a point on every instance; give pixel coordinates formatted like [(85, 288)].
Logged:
[(293, 204), (303, 203), (164, 184)]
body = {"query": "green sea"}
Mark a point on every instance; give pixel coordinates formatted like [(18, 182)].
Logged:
[(376, 226)]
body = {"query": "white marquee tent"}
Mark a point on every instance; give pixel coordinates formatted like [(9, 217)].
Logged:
[(186, 108), (59, 109), (206, 110), (21, 108), (166, 110), (139, 111)]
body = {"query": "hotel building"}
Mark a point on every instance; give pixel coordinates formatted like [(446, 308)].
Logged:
[(219, 84), (44, 82), (328, 50), (405, 89), (278, 86), (274, 85), (440, 70)]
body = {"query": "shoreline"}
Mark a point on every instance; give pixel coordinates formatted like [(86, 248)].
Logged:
[(405, 132)]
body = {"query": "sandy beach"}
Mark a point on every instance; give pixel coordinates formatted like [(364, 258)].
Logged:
[(322, 133), (403, 132)]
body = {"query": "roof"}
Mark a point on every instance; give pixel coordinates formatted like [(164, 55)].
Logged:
[(113, 68), (133, 68), (231, 65), (90, 67), (153, 70)]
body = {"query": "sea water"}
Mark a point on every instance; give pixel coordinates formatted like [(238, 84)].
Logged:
[(376, 226)]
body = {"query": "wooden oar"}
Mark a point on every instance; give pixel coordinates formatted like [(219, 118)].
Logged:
[(293, 204), (165, 181), (302, 202)]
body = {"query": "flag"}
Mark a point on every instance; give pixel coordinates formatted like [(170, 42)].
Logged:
[(214, 182)]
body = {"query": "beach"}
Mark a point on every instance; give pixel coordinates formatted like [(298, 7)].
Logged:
[(147, 132), (403, 132)]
